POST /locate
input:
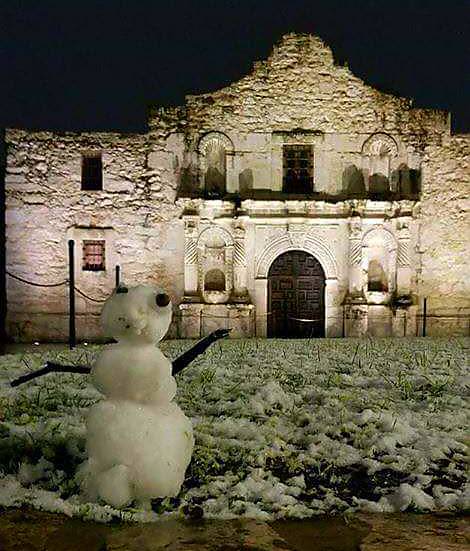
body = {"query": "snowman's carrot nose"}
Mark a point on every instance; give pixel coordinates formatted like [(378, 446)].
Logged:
[(162, 299)]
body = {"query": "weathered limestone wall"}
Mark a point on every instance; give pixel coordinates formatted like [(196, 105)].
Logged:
[(444, 240), (135, 214), (299, 95)]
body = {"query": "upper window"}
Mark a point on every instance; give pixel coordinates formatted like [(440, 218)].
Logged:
[(297, 169), (93, 255), (92, 171)]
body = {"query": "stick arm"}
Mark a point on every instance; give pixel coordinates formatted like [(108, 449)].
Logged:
[(178, 365), (187, 357), (51, 367)]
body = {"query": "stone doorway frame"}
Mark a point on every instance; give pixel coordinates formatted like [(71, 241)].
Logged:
[(319, 250)]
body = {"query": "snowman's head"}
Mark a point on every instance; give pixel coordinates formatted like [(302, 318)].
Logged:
[(139, 314)]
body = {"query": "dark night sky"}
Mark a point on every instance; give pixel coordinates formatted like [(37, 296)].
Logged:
[(70, 65)]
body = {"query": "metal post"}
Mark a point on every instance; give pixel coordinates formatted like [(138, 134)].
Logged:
[(72, 335), (118, 275), (424, 316), (344, 321)]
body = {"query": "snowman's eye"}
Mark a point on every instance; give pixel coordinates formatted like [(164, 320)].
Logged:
[(122, 289), (162, 299)]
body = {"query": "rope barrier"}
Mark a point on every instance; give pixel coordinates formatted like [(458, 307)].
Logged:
[(304, 320), (37, 284), (89, 298)]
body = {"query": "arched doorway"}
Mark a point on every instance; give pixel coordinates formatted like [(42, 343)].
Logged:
[(296, 296)]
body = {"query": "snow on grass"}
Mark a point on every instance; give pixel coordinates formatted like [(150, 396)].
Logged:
[(284, 428)]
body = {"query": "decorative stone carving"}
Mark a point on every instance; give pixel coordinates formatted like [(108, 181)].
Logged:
[(239, 258), (380, 145), (297, 234), (190, 252), (311, 244), (380, 235), (214, 139), (355, 252), (403, 257)]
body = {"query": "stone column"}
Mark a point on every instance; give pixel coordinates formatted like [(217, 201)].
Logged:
[(239, 264), (231, 183), (190, 259), (355, 258), (404, 272), (333, 312), (261, 304)]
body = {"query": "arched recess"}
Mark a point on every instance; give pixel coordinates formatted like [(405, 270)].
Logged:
[(378, 154), (379, 255), (296, 296), (215, 261), (322, 253), (215, 153), (310, 244)]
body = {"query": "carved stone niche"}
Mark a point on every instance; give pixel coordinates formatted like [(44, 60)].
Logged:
[(215, 163), (215, 265), (378, 154), (379, 264)]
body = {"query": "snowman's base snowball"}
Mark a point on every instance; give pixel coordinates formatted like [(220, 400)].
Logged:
[(154, 443), (114, 486)]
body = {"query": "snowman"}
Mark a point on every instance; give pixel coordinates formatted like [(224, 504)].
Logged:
[(139, 441)]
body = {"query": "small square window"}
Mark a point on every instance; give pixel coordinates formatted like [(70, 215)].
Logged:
[(92, 172), (297, 169), (93, 256)]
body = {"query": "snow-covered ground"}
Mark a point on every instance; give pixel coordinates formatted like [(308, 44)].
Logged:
[(284, 428)]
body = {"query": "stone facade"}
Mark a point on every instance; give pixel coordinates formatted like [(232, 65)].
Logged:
[(198, 205)]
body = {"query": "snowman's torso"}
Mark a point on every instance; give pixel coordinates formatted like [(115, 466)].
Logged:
[(139, 373)]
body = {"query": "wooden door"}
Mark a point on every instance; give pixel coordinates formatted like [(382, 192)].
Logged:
[(296, 290)]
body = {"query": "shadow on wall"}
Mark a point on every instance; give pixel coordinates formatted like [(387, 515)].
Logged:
[(404, 183), (214, 182), (379, 186), (187, 182), (353, 182), (407, 181), (245, 181)]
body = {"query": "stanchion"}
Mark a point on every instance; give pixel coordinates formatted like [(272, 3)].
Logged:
[(424, 315), (118, 275), (72, 334)]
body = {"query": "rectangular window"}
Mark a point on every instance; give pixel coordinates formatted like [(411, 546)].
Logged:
[(93, 256), (297, 169), (92, 172)]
